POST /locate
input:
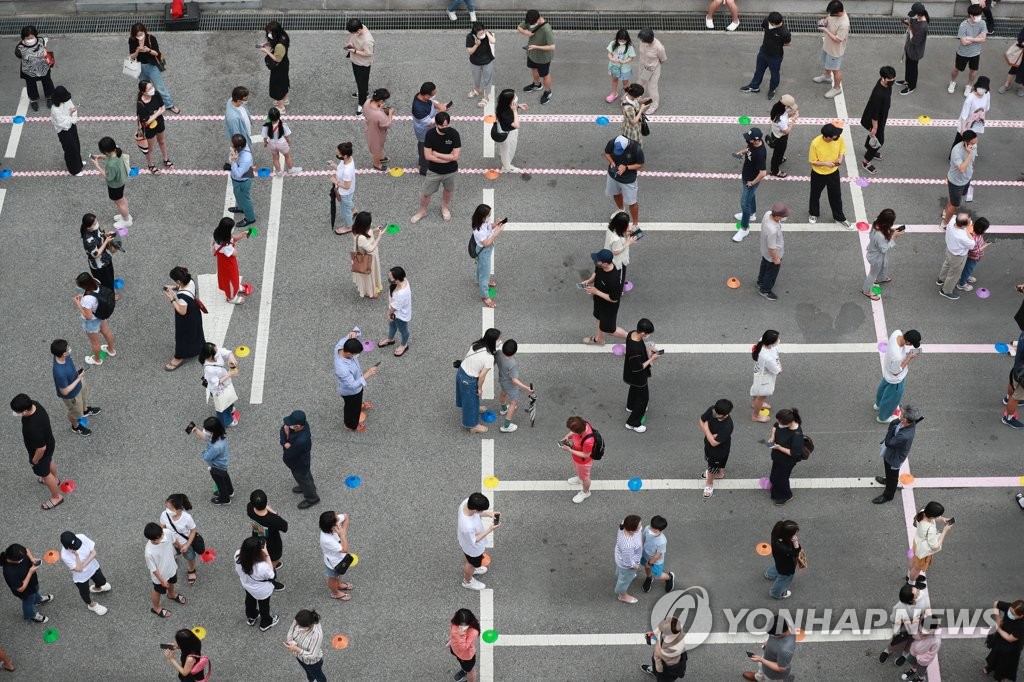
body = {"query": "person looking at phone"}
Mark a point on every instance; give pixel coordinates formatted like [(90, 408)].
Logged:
[(485, 233), (193, 665), (625, 157), (473, 537), (927, 538), (896, 448), (470, 375), (882, 240), (540, 50), (352, 380), (636, 371), (966, 281), (71, 387), (216, 456), (605, 287), (618, 239), (359, 50), (901, 349), (579, 443), (668, 659), (776, 662), (377, 119)]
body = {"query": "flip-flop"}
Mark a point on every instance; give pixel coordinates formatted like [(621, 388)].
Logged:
[(191, 576), (489, 302), (180, 598), (366, 406), (359, 429), (170, 367), (763, 421), (592, 341), (883, 281), (342, 597), (873, 297), (630, 600), (708, 492), (404, 351), (162, 613), (345, 586), (385, 342), (50, 504)]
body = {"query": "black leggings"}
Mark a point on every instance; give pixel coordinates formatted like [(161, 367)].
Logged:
[(83, 587), (910, 73), (779, 152), (362, 76), (258, 608), (72, 149)]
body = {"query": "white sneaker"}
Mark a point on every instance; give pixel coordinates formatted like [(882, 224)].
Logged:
[(740, 235), (480, 570), (812, 219), (709, 22), (90, 359), (822, 79), (512, 169), (124, 223), (833, 92), (967, 90), (575, 480), (969, 197), (472, 16), (509, 429), (451, 15), (97, 590), (874, 406), (294, 170), (737, 216), (473, 584), (580, 496), (638, 429), (952, 87), (99, 609), (732, 26)]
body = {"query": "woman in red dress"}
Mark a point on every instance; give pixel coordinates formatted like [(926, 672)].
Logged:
[(224, 240)]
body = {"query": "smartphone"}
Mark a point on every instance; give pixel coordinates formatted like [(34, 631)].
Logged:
[(581, 285), (660, 351), (350, 48), (497, 518), (450, 103), (951, 521), (526, 47), (647, 637), (190, 427), (258, 46), (901, 228), (503, 220), (377, 364), (81, 371), (750, 654), (168, 647), (37, 562), (638, 234)]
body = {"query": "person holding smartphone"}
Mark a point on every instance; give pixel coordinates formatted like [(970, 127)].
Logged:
[(618, 239), (352, 380), (473, 537), (668, 659), (216, 456), (71, 387), (636, 372), (485, 233), (359, 50), (192, 662), (625, 157), (334, 546), (776, 662), (882, 240), (255, 571), (19, 569), (927, 538)]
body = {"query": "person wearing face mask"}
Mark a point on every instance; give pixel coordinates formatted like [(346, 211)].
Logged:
[(540, 50), (771, 249), (399, 310), (462, 636), (442, 147), (972, 117), (505, 130), (767, 368), (650, 57), (276, 58), (144, 48), (344, 186), (98, 247), (480, 46), (882, 240), (470, 375), (913, 50), (621, 56), (360, 52), (352, 381), (216, 456), (71, 387), (188, 317), (1004, 641), (377, 120), (237, 120), (305, 640), (35, 68), (95, 304), (634, 110), (787, 448), (970, 35), (783, 116), (64, 116), (219, 368), (960, 174), (769, 57), (424, 108), (149, 107), (875, 116)]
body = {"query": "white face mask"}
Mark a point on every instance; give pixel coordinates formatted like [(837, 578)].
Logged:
[(29, 42), (150, 92), (270, 36), (981, 91), (16, 414), (140, 37), (481, 36), (463, 628), (622, 42)]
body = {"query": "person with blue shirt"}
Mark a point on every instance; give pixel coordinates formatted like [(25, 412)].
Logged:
[(71, 388), (215, 455), (237, 120), (352, 380), (240, 162), (653, 558)]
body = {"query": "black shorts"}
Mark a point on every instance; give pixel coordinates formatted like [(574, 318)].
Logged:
[(466, 666), (115, 193), (474, 561), (160, 589), (716, 463), (542, 69), (42, 467), (1013, 70), (956, 193), (963, 63), (606, 317)]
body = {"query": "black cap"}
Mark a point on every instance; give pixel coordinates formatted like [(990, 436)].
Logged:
[(69, 540), (917, 9)]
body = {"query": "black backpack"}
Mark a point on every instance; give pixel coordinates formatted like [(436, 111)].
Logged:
[(598, 450), (104, 302), (473, 252), (808, 448)]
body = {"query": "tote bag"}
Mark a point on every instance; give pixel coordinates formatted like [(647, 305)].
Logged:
[(131, 68)]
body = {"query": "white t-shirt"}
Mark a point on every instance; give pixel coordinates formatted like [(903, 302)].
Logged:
[(265, 131), (214, 369), (483, 233), (71, 557), (905, 613), (469, 528), (477, 361), (160, 557), (894, 356), (228, 249), (90, 302), (613, 241), (330, 545), (768, 359), (184, 525), (346, 172), (258, 584), (401, 301)]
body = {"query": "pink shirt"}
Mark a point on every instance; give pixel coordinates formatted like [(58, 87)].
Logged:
[(464, 643)]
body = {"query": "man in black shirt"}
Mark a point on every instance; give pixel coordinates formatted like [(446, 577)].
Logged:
[(38, 437), (297, 445), (625, 157), (755, 168), (636, 372), (717, 427), (267, 524), (776, 37), (605, 286), (875, 115), (442, 146)]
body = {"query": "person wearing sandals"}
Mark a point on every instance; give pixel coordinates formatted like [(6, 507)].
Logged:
[(717, 427), (305, 640), (224, 241), (276, 58), (19, 568), (783, 116), (766, 368), (277, 138), (188, 317), (88, 304), (38, 437), (882, 240), (163, 569), (113, 166), (399, 310), (377, 120), (628, 552), (787, 448), (367, 239), (463, 632), (6, 660), (505, 130), (179, 522), (334, 545), (469, 378), (219, 367), (64, 116), (480, 46), (485, 233), (150, 108), (255, 571), (79, 554), (216, 456), (620, 63), (618, 240), (352, 380), (144, 48), (605, 286)]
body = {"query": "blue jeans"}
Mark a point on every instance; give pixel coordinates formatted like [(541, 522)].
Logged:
[(968, 269), (314, 671), (748, 204), (242, 199), (346, 202), (225, 416), (483, 269), (773, 64), (401, 327), (152, 73), (455, 5), (466, 398), (28, 605), (888, 397), (781, 582), (623, 579)]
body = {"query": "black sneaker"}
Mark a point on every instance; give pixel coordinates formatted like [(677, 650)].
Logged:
[(771, 94), (297, 489), (939, 282), (359, 110), (45, 599), (250, 621), (81, 430), (646, 667), (671, 582), (219, 502), (306, 504), (1006, 398), (546, 97), (460, 676), (34, 104), (951, 296), (279, 587), (245, 223), (906, 91), (90, 411), (647, 583), (883, 657), (235, 209), (533, 86), (40, 618), (901, 82), (900, 660), (748, 88), (770, 295), (273, 622)]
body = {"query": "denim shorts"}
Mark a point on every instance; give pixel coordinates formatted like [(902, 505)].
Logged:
[(831, 63), (331, 573), (189, 554), (91, 326)]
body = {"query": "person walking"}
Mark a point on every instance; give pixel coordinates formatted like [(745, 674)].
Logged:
[(37, 434), (186, 539), (297, 445), (917, 23), (783, 116), (226, 252), (970, 36), (668, 658), (95, 305), (150, 108), (267, 525), (901, 349), (961, 171), (256, 573), (787, 449), (895, 450), (192, 663), (275, 57), (470, 374), (650, 57), (636, 372), (144, 48), (655, 546), (442, 147), (463, 632), (734, 11), (64, 116), (959, 242), (621, 56), (344, 186), (216, 456), (113, 166), (923, 650), (305, 639), (472, 537), (835, 30), (767, 368), (625, 157), (906, 616), (628, 552), (79, 554), (485, 234), (826, 155), (360, 52), (366, 239), (189, 338), (480, 46), (927, 540), (880, 243), (772, 249), (277, 137), (974, 256), (35, 66), (505, 130), (540, 50), (19, 569), (755, 157), (399, 311), (605, 288), (1015, 74), (769, 57), (71, 387), (237, 120), (1015, 385), (241, 167), (220, 367), (352, 381), (634, 108), (776, 661), (580, 443), (875, 116), (618, 240), (1005, 640), (334, 546), (716, 424), (786, 551), (99, 246), (377, 119), (163, 569)]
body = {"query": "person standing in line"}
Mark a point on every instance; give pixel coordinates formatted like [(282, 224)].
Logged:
[(755, 157), (967, 280), (188, 317), (275, 51), (785, 550), (634, 112), (226, 253), (177, 519), (650, 57), (454, 5), (580, 443), (776, 662), (769, 57), (970, 36), (961, 171), (256, 573), (473, 537), (922, 652), (1004, 641), (628, 553), (267, 525), (149, 109), (19, 568), (377, 119), (875, 116), (927, 540), (767, 368), (901, 348), (917, 23), (621, 56), (462, 635), (144, 48), (655, 545), (972, 117), (882, 240), (906, 618), (305, 640), (366, 239), (625, 157), (618, 240), (772, 248), (509, 384), (441, 146), (424, 108), (485, 233), (241, 167), (98, 247), (35, 67), (220, 367), (334, 547), (344, 182), (113, 166), (734, 11), (605, 288), (163, 569), (836, 32), (64, 116), (192, 662), (1015, 386), (636, 372), (668, 657), (360, 52), (79, 554), (1015, 74), (237, 120), (505, 130), (895, 450), (277, 137), (297, 445), (95, 305), (469, 378), (826, 155), (399, 310), (352, 381), (787, 448), (216, 456), (783, 116), (38, 437), (71, 387), (717, 427), (959, 242), (480, 46), (540, 50)]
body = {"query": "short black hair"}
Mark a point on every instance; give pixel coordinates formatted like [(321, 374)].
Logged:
[(775, 18), (532, 16), (478, 502), (907, 594), (258, 499), (887, 72), (834, 8), (239, 93), (645, 326), (969, 135), (442, 118), (58, 347), (659, 523), (427, 88), (21, 403), (975, 10), (510, 347), (981, 225), (723, 406), (353, 346), (353, 25), (153, 531)]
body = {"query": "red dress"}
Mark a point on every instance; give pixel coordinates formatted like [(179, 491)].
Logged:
[(227, 269)]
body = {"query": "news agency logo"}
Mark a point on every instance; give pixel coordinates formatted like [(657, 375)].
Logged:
[(692, 608)]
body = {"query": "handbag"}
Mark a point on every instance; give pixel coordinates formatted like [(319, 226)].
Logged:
[(131, 68), (1013, 54), (198, 544), (51, 61), (770, 139), (161, 62), (343, 565), (497, 134), (645, 129), (808, 448), (801, 559), (471, 247), (764, 384), (362, 263)]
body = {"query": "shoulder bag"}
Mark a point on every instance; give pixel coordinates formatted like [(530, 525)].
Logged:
[(198, 544), (497, 134), (645, 129), (131, 68), (801, 559), (344, 564), (161, 61), (362, 263), (1013, 54)]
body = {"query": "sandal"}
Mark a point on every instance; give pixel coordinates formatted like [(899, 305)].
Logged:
[(385, 342), (344, 596), (403, 352), (169, 164), (872, 296), (344, 586), (50, 504), (162, 613), (781, 174), (180, 598), (344, 230), (359, 429), (174, 110), (883, 281), (170, 366), (153, 170), (592, 341), (489, 303), (446, 214), (708, 492), (191, 578), (366, 406), (482, 103)]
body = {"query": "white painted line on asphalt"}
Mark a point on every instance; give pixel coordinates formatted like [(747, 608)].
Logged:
[(729, 227), (621, 485), (487, 314), (489, 200), (484, 651), (3, 195), (486, 471), (215, 325), (259, 365), (489, 111), (16, 128), (744, 349)]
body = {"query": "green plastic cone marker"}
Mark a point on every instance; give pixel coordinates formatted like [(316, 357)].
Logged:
[(876, 290), (492, 292), (489, 636)]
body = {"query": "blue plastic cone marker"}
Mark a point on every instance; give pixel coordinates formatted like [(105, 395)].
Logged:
[(488, 416), (263, 172), (5, 173), (1002, 348), (82, 421), (635, 484), (119, 283), (601, 120), (133, 172), (19, 119), (353, 482)]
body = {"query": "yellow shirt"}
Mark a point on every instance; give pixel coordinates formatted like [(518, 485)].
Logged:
[(822, 150)]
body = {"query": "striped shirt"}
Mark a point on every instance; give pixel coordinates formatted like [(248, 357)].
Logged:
[(628, 549), (310, 640)]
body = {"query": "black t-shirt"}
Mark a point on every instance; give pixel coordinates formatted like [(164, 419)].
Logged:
[(269, 526), (877, 107), (630, 156), (784, 554), (634, 373), (1012, 627), (609, 282), (754, 161), (144, 57), (443, 142), (15, 574), (792, 440), (774, 39), (35, 429), (505, 119), (721, 430), (145, 110), (483, 54)]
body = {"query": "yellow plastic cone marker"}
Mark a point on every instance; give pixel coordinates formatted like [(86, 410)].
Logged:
[(242, 351), (491, 482)]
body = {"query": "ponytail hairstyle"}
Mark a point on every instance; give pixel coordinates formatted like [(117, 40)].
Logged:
[(489, 341), (932, 510), (778, 109), (208, 352), (87, 282), (397, 275), (769, 338), (179, 501), (274, 118), (87, 222), (180, 273), (787, 416), (783, 531), (216, 430), (107, 145), (630, 523)]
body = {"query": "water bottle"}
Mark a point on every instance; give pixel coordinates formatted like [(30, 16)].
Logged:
[(1020, 500)]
